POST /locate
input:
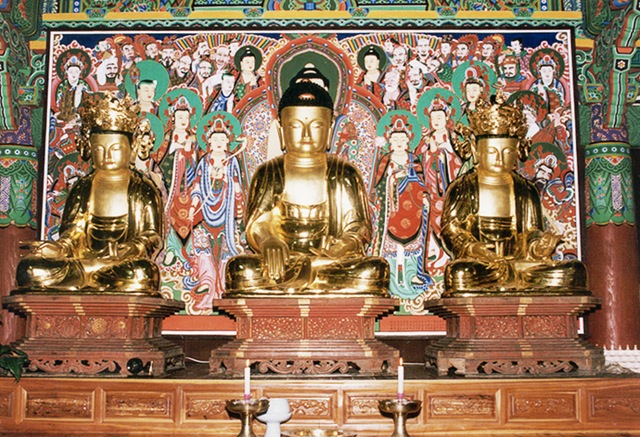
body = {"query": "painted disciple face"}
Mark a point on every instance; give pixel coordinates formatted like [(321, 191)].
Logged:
[(398, 141), (462, 51), (110, 151), (184, 65), (399, 58), (415, 77), (305, 129), (147, 92), (472, 92), (128, 52), (228, 82), (218, 142), (181, 119), (392, 79), (221, 58), (445, 48), (422, 48), (487, 50), (204, 69), (497, 155), (151, 50), (111, 69), (516, 46)]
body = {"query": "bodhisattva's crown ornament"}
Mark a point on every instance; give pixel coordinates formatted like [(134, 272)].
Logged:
[(497, 118), (106, 112)]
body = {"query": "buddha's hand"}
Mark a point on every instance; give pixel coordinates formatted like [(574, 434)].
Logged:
[(482, 251), (131, 250), (275, 255), (50, 249), (336, 248), (543, 247)]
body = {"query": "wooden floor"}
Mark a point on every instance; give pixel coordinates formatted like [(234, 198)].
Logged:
[(190, 402)]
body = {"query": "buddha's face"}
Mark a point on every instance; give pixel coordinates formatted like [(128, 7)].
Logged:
[(248, 64), (110, 151), (305, 130), (497, 155), (371, 63)]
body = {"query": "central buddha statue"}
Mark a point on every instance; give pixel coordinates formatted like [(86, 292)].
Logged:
[(112, 224), (308, 219), (492, 222)]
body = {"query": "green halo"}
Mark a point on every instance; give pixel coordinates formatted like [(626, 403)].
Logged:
[(149, 70), (207, 120), (486, 73), (193, 99), (413, 123), (428, 96)]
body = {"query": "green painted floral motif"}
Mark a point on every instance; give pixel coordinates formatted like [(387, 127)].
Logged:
[(609, 184), (18, 178)]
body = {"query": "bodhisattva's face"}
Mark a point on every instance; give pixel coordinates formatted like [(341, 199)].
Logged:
[(305, 130), (497, 155), (399, 141), (110, 151), (218, 142)]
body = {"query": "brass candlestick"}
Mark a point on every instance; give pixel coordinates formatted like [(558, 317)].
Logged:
[(247, 409), (400, 408)]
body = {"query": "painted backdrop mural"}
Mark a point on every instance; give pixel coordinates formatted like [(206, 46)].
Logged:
[(210, 99)]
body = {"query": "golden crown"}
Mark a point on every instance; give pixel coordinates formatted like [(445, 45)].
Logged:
[(107, 112), (498, 118)]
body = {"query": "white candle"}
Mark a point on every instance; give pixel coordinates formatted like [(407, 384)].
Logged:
[(400, 380), (247, 381)]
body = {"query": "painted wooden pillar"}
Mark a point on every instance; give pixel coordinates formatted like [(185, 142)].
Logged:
[(18, 197), (612, 247)]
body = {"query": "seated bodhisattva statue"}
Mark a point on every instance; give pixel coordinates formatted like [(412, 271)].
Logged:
[(112, 224), (307, 220), (492, 221)]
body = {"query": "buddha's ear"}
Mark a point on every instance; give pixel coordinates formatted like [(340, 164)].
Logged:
[(331, 132), (280, 133)]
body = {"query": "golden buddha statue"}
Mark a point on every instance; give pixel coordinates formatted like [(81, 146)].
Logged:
[(492, 223), (307, 218), (112, 224)]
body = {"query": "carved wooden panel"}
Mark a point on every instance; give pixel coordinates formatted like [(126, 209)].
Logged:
[(497, 327), (306, 403), (545, 326), (277, 328), (6, 403), (59, 405), (199, 406), (138, 404), (456, 406), (543, 405), (612, 404), (344, 327)]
